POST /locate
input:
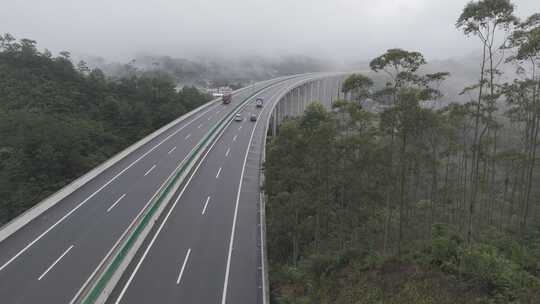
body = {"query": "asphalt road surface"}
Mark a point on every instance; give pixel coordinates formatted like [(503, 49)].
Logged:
[(192, 256), (50, 258)]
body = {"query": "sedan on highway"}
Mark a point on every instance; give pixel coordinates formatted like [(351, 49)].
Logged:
[(238, 117), (253, 117)]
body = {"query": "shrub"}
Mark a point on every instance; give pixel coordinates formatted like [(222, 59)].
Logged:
[(446, 247), (484, 265)]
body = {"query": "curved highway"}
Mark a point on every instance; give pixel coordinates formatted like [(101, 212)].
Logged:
[(203, 249)]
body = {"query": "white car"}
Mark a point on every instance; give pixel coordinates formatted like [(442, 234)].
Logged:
[(238, 117)]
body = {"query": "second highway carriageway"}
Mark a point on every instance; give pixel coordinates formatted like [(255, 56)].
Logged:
[(118, 238)]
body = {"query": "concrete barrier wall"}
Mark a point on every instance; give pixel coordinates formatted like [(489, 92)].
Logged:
[(323, 89)]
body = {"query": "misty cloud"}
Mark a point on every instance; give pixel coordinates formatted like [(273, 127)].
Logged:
[(338, 29)]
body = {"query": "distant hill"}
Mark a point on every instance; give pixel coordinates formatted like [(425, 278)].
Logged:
[(213, 71)]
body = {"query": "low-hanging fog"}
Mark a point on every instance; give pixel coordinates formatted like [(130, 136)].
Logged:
[(245, 40), (338, 29)]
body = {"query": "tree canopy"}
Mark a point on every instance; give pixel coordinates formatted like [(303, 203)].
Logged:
[(58, 121)]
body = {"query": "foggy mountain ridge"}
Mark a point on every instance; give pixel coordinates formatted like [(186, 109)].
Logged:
[(213, 71)]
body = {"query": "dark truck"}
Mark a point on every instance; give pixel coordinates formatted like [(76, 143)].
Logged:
[(259, 102), (226, 98)]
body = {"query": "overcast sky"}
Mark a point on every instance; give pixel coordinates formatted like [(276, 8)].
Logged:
[(338, 29)]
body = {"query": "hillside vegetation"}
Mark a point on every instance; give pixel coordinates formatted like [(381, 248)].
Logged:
[(57, 120), (414, 203)]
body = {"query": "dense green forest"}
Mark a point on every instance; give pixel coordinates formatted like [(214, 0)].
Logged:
[(415, 203), (58, 120)]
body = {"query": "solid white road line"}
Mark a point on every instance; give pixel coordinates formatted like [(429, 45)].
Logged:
[(188, 136), (121, 295), (171, 151), (55, 262), (218, 172), (205, 205), (227, 153), (150, 170), (263, 270), (99, 190), (183, 267), (233, 229), (234, 138), (118, 200)]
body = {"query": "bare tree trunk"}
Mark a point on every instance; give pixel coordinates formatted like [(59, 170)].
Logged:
[(296, 247), (532, 159), (387, 222), (434, 186), (445, 195), (512, 199), (491, 183), (530, 172), (402, 190), (483, 195), (505, 195), (465, 183), (493, 175), (475, 166), (388, 199)]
